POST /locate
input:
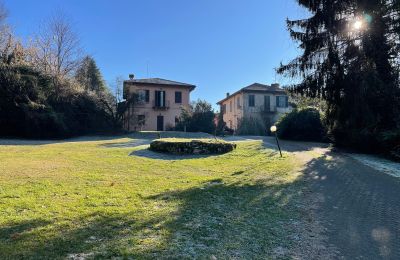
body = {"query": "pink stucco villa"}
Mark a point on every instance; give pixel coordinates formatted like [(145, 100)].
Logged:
[(159, 103), (252, 102)]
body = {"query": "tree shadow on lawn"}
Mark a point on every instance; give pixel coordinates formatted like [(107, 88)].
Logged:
[(230, 220), (147, 153), (286, 145), (293, 146), (134, 143), (39, 142), (97, 233), (14, 230), (225, 220)]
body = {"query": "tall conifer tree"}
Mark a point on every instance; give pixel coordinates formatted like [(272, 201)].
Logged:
[(89, 75), (349, 59)]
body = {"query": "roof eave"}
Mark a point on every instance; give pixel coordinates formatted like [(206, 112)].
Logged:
[(191, 87), (250, 91)]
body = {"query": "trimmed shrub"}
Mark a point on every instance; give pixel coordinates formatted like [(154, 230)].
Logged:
[(302, 125), (182, 146)]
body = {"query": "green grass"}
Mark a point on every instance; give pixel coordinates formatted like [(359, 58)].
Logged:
[(103, 199), (183, 140)]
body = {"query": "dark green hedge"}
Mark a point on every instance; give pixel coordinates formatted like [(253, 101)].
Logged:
[(302, 125), (191, 147)]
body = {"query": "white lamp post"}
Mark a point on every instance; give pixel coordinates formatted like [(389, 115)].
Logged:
[(273, 130)]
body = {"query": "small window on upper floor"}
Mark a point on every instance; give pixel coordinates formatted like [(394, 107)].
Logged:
[(223, 109), (144, 95), (282, 101), (267, 103), (238, 103), (252, 101), (178, 97), (230, 106)]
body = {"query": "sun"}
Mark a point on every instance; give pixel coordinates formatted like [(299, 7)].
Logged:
[(358, 25)]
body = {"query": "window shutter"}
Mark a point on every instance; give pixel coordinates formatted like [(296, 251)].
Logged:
[(147, 96), (157, 97), (267, 104), (251, 101), (163, 98), (277, 101), (286, 101)]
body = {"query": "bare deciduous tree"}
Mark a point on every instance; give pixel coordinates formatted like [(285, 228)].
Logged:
[(11, 49), (6, 39), (57, 48), (3, 12)]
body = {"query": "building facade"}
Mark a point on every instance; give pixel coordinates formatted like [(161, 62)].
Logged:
[(256, 101), (159, 103)]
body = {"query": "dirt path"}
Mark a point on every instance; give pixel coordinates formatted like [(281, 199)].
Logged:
[(358, 206)]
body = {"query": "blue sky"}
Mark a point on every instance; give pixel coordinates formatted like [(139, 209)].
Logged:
[(218, 45)]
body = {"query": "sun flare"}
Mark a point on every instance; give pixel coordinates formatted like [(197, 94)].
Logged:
[(358, 25)]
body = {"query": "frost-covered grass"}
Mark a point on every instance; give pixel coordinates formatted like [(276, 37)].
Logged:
[(101, 198), (378, 163), (184, 140)]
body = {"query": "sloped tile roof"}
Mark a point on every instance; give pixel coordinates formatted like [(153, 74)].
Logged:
[(262, 87), (257, 87), (158, 81)]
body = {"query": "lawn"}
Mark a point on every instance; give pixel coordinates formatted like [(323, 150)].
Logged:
[(104, 198)]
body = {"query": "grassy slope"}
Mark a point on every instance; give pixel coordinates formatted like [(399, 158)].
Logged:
[(92, 197)]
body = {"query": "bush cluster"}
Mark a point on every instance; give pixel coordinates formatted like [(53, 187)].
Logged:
[(199, 117), (30, 107), (302, 125), (386, 142), (192, 146)]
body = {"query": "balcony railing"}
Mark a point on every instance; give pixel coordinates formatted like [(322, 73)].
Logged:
[(164, 106)]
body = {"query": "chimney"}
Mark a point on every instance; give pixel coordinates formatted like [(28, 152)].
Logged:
[(275, 85), (131, 76), (227, 94)]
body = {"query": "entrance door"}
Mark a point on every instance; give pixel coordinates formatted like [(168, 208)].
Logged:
[(160, 123)]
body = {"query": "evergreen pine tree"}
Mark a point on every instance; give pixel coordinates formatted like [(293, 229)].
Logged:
[(89, 75), (348, 60)]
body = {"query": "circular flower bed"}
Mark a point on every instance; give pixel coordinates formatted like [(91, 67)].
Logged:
[(185, 146)]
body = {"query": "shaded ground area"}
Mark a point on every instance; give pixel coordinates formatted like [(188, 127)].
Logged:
[(358, 206)]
